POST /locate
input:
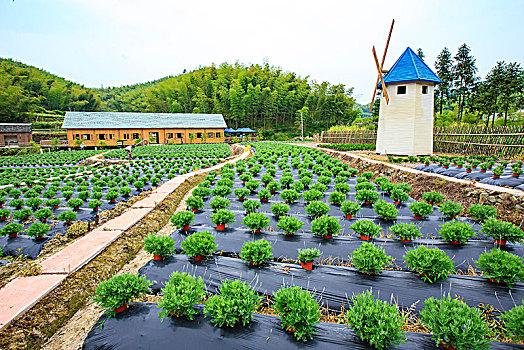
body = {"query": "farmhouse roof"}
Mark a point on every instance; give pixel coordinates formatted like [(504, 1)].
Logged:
[(131, 120), (15, 127), (409, 67)]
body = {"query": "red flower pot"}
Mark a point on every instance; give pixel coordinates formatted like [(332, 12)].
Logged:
[(121, 308), (289, 233), (185, 228), (243, 182), (348, 216), (482, 170), (422, 274), (290, 329), (199, 257), (500, 241), (496, 176), (272, 192), (43, 220), (406, 240), (287, 202), (39, 238), (426, 163), (3, 219), (264, 200), (367, 202), (468, 170), (307, 265), (397, 202), (55, 207), (157, 257), (515, 175), (221, 227), (446, 166), (454, 242), (194, 210), (95, 209), (365, 238), (418, 217), (241, 199), (13, 235), (327, 236), (256, 231), (112, 201), (495, 281), (474, 167), (254, 263), (460, 166), (77, 208)]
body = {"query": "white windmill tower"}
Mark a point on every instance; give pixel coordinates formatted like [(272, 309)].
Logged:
[(405, 125)]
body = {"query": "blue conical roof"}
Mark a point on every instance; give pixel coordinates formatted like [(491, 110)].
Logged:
[(409, 67)]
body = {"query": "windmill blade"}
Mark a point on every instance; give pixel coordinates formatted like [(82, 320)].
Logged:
[(380, 75), (382, 65)]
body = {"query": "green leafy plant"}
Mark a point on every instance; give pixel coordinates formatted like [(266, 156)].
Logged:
[(319, 187), (342, 188), (399, 195), (43, 214), (316, 209), (94, 204), (273, 186), (451, 209), (256, 252), (432, 197), (22, 214), (430, 263), (199, 245), (325, 226), (11, 229), (308, 255), (252, 185), (420, 209), (4, 214), (67, 216), (221, 191), (242, 193), (502, 231), (454, 324), (125, 191), (289, 224), (222, 217), (456, 232), (290, 196), (367, 196), (219, 203), (366, 229), (375, 321), (256, 221), (336, 198), (312, 195), (75, 203), (279, 209), (298, 311), (370, 259), (264, 195), (161, 246), (501, 266), (183, 219), (350, 208), (251, 205), (180, 294), (482, 212), (385, 210), (195, 203), (34, 203), (406, 232), (202, 192), (119, 290), (235, 304), (514, 322)]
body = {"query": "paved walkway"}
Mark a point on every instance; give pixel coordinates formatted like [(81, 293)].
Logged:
[(22, 293)]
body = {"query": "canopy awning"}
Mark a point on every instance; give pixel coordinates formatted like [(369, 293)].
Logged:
[(231, 131), (247, 130)]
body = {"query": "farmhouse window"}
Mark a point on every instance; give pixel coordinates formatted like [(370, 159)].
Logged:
[(210, 135), (111, 136), (135, 136), (424, 89), (401, 90), (218, 135), (169, 135), (126, 136), (101, 136), (199, 135), (86, 137), (178, 135)]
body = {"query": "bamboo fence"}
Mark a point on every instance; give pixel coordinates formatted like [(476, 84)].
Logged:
[(368, 137)]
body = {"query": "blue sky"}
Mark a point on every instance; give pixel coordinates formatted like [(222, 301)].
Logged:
[(119, 42)]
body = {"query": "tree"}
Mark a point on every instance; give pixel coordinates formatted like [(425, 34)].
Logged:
[(420, 54), (444, 67), (512, 85), (464, 76)]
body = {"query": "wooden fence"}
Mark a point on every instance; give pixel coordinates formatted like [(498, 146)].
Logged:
[(501, 141)]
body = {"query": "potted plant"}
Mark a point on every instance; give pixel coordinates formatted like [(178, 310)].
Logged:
[(312, 195), (350, 209), (484, 167), (4, 214), (180, 294), (370, 259), (342, 188), (236, 303), (221, 191), (22, 214), (221, 218), (399, 196), (454, 325), (366, 229), (252, 185), (375, 321), (256, 252), (298, 311), (286, 181), (336, 198), (451, 209), (497, 172), (316, 209), (456, 232), (199, 245), (67, 216), (75, 203), (111, 196), (251, 205), (279, 209), (290, 225), (125, 191), (501, 266), (514, 323), (195, 203), (482, 212), (264, 195), (307, 257), (468, 168), (43, 214), (12, 230), (244, 178), (364, 186), (34, 203), (67, 194), (517, 171), (433, 197), (420, 209), (431, 264), (325, 226), (290, 196), (159, 246), (385, 210), (405, 232), (219, 203), (266, 178), (256, 221), (115, 293), (367, 196), (502, 231), (37, 230), (94, 204), (242, 193), (183, 219)]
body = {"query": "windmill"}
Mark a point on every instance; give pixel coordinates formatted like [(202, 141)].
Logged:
[(380, 68)]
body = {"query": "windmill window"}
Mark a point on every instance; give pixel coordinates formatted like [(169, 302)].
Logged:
[(424, 89), (401, 90)]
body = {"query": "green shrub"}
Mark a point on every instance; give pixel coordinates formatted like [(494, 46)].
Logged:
[(432, 197), (43, 214), (201, 192), (159, 245), (246, 177), (34, 203), (451, 209), (325, 226), (125, 191), (312, 195), (387, 186), (514, 322), (370, 259), (266, 178), (235, 304), (405, 231), (252, 185), (199, 244), (319, 187), (501, 266), (222, 217), (399, 195), (273, 186), (375, 321), (289, 224), (342, 188), (118, 290), (290, 196), (367, 196), (84, 195), (364, 186), (242, 192), (264, 194), (67, 194), (482, 212), (74, 203), (350, 208), (502, 230), (431, 263), (219, 203), (67, 216), (4, 213), (225, 181), (251, 205), (285, 181), (181, 292), (256, 221), (195, 202), (366, 228), (256, 252), (11, 228), (421, 209), (94, 204), (183, 218), (297, 187), (325, 180), (316, 209), (308, 255), (298, 311), (455, 324), (336, 198), (221, 191), (279, 209), (385, 210), (456, 231), (98, 195), (380, 180), (22, 214), (404, 187)]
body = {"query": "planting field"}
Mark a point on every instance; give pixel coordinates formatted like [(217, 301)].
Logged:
[(42, 195), (380, 261)]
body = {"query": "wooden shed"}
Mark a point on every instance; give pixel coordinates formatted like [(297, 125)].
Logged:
[(15, 135), (127, 128)]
